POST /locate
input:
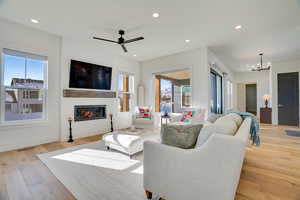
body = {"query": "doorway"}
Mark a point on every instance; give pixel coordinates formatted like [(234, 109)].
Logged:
[(288, 99), (251, 98)]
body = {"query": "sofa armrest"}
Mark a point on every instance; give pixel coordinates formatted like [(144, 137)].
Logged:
[(211, 171)]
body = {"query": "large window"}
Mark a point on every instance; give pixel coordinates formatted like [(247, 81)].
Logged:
[(23, 86), (173, 92), (216, 92), (125, 91)]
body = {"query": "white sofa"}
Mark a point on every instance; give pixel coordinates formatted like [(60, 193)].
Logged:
[(209, 172)]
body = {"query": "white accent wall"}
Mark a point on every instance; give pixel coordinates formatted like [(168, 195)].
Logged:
[(59, 52), (227, 76), (21, 38), (90, 51), (262, 81), (198, 61), (195, 61)]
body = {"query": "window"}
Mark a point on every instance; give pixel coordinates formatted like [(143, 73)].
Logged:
[(216, 92), (186, 96), (173, 92), (125, 91), (23, 86)]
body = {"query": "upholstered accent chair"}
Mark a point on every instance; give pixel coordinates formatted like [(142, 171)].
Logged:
[(143, 117)]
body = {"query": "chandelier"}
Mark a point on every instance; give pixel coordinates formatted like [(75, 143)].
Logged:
[(260, 66)]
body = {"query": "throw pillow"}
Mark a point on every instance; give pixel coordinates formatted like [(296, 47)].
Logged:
[(187, 116), (212, 117), (223, 125), (237, 118), (182, 136)]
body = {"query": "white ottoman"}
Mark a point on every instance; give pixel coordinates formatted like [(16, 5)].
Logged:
[(128, 143)]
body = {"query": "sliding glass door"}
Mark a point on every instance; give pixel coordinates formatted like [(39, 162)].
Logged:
[(216, 92)]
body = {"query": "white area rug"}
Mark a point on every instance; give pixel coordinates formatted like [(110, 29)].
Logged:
[(90, 172)]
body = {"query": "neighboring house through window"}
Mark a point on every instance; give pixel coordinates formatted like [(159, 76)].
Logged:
[(125, 91), (23, 85)]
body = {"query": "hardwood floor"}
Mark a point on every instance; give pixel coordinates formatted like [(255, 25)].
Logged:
[(270, 172)]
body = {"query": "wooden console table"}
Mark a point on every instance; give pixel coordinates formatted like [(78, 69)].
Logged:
[(266, 115)]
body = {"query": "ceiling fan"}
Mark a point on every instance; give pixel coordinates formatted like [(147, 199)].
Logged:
[(121, 41), (260, 66)]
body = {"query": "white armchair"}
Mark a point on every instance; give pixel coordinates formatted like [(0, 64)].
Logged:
[(145, 119), (209, 172)]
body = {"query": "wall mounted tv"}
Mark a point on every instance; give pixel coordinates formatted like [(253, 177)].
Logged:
[(89, 76)]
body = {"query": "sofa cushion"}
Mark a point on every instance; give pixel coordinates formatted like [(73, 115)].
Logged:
[(224, 125), (182, 136), (237, 118), (212, 117)]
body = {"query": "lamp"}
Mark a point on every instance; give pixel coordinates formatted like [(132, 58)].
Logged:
[(266, 98), (260, 66)]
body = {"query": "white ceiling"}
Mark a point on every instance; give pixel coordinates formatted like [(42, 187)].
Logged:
[(271, 26)]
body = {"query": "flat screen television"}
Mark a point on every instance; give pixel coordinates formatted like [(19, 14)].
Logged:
[(89, 76)]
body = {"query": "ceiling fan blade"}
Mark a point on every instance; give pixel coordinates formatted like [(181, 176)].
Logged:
[(96, 38), (124, 48), (134, 39)]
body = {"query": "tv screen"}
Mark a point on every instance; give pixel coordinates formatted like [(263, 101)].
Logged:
[(89, 76)]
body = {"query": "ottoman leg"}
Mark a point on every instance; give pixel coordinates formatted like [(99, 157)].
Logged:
[(107, 148)]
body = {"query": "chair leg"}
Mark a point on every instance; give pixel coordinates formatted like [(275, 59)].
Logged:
[(148, 194), (107, 147)]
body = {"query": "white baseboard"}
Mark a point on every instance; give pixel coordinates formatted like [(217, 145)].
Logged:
[(10, 147)]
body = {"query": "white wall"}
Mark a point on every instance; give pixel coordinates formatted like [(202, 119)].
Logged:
[(262, 79), (20, 38), (90, 51), (281, 67), (198, 61), (59, 52), (195, 61), (215, 63)]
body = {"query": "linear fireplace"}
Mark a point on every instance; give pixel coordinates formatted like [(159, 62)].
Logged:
[(89, 112)]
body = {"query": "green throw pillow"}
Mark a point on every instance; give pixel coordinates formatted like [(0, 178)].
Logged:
[(182, 136)]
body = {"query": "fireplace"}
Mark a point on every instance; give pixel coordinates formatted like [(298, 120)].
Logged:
[(89, 112)]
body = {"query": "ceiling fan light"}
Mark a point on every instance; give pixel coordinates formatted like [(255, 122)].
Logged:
[(155, 15), (35, 21)]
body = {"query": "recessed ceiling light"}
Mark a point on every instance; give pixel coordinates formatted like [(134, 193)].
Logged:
[(238, 27), (187, 41), (134, 55), (155, 15), (35, 21)]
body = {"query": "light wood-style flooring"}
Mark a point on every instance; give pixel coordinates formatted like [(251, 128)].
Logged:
[(270, 172)]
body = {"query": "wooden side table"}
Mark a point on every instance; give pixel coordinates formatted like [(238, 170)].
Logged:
[(266, 115)]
